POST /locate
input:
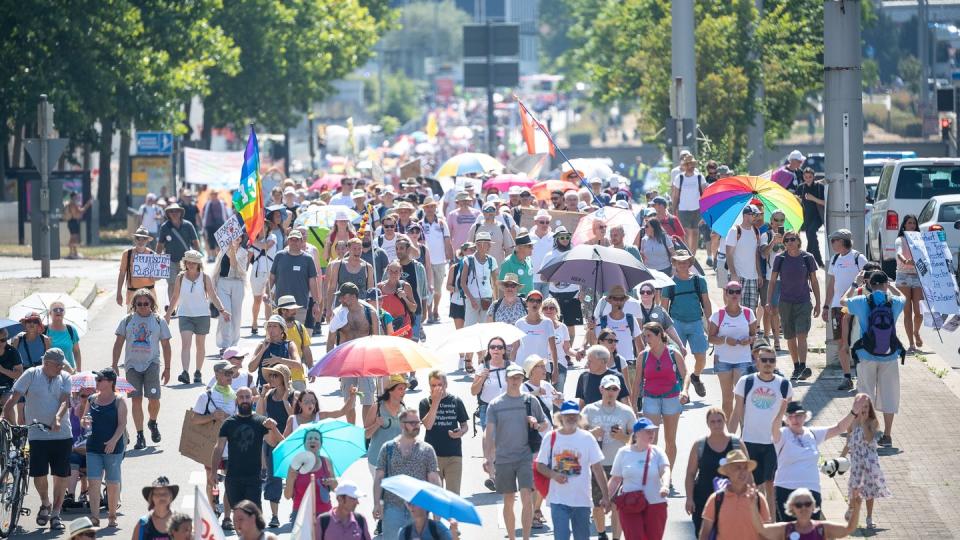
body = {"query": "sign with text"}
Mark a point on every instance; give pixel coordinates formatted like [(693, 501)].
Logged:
[(229, 231), (150, 265), (933, 262)]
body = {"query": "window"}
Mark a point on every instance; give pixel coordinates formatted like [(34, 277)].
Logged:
[(949, 212), (927, 213), (884, 186), (872, 170), (925, 181)]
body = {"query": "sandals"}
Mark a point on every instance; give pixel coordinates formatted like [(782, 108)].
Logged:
[(95, 521), (112, 522), (538, 520), (56, 524), (43, 515)]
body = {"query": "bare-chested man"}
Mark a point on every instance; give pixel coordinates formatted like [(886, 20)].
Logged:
[(354, 319)]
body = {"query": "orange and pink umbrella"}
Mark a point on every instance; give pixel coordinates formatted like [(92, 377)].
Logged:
[(375, 356)]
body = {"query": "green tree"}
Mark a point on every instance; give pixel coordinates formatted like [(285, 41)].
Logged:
[(909, 69), (400, 99)]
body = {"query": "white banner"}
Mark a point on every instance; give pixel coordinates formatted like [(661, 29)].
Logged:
[(933, 262), (218, 170), (229, 231), (205, 524), (306, 516), (151, 266)]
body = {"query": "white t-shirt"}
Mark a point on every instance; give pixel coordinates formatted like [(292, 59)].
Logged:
[(798, 458), (536, 341), (342, 200), (494, 385), (619, 414), (631, 306), (389, 246), (745, 251), (435, 233), (544, 393), (480, 282), (541, 246), (150, 217), (761, 406), (690, 192), (572, 455), (844, 271), (736, 327), (560, 287), (625, 334), (629, 465)]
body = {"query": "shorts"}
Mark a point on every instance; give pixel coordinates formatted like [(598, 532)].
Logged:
[(198, 325), (146, 383), (751, 292), (836, 323), (512, 477), (723, 367), (766, 457), (690, 219), (50, 457), (880, 381), (73, 226), (905, 279), (457, 311), (78, 461), (693, 335), (97, 464), (243, 488), (795, 318), (438, 275), (367, 385), (571, 313), (662, 406), (258, 284), (595, 492)]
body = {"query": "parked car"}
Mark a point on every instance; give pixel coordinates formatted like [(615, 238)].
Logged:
[(905, 187), (940, 214), (871, 178)]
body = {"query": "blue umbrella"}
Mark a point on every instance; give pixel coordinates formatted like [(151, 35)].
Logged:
[(342, 444), (432, 498), (12, 327)]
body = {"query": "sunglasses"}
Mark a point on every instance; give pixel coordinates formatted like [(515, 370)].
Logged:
[(794, 239), (610, 340), (768, 359), (563, 237), (734, 291), (646, 292), (549, 308), (543, 223), (804, 504), (509, 285), (389, 226), (58, 311), (497, 347), (534, 301), (143, 304)]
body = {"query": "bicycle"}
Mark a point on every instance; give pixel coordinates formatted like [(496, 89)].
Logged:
[(13, 479)]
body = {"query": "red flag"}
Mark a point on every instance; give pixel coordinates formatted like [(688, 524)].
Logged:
[(534, 132), (527, 131)]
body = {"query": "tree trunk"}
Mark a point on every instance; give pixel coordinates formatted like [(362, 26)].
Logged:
[(104, 181), (206, 130), (123, 176)]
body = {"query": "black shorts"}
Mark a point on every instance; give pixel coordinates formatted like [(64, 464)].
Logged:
[(766, 457), (570, 312), (246, 488), (457, 311), (50, 457), (73, 226)]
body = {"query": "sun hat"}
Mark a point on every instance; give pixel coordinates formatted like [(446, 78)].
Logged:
[(393, 381), (429, 201), (542, 214), (841, 234), (688, 159), (644, 424), (523, 239), (570, 407), (514, 369), (341, 215), (348, 489), (80, 526), (142, 232), (733, 283), (514, 190), (733, 457), (617, 290), (622, 204), (161, 482), (193, 256), (463, 196), (287, 301), (282, 370), (483, 236), (276, 319), (54, 354), (609, 381), (233, 352), (510, 278), (173, 207), (531, 362), (681, 255)]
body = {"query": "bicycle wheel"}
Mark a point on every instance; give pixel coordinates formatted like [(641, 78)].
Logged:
[(12, 490)]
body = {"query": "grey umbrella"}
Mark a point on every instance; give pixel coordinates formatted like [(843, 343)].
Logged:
[(596, 267)]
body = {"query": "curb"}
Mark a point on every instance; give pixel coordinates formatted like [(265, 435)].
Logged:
[(85, 292)]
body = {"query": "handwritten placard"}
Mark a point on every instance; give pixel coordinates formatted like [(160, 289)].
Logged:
[(229, 231), (149, 265), (933, 262)]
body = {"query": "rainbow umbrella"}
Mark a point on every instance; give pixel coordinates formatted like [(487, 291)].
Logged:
[(722, 203), (469, 162), (375, 356)]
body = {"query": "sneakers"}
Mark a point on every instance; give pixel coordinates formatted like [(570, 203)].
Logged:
[(141, 442), (796, 373), (184, 378), (227, 524), (698, 386), (846, 385), (885, 440), (154, 431), (197, 377), (805, 374), (274, 523), (488, 483), (709, 265), (871, 524), (254, 331), (602, 536)]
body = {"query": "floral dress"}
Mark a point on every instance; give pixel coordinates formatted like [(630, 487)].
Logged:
[(865, 473)]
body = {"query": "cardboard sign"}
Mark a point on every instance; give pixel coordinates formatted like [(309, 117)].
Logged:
[(933, 262), (150, 265), (557, 218), (229, 231), (197, 442), (411, 169)]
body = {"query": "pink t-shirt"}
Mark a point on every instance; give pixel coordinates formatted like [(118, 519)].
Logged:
[(459, 224)]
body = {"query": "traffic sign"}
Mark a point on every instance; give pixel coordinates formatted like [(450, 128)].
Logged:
[(154, 143)]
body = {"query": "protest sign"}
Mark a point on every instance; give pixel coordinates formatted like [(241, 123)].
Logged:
[(933, 263), (557, 218), (229, 231), (150, 265), (410, 169)]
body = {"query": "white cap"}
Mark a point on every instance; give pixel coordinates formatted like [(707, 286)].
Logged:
[(796, 155), (348, 489), (541, 213), (289, 191), (610, 380), (514, 190), (492, 198), (622, 204)]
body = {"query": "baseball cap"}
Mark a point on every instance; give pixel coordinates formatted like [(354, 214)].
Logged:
[(841, 234), (514, 369), (54, 354), (489, 207), (644, 424), (542, 214), (221, 367), (233, 352), (348, 489), (659, 200), (534, 293), (357, 193), (514, 190), (289, 191), (570, 407), (609, 381), (295, 234)]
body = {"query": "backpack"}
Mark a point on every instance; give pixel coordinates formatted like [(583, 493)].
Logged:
[(472, 268), (747, 313), (856, 258), (751, 380), (677, 386), (696, 291), (700, 182), (630, 323), (739, 233), (407, 532), (70, 330), (361, 521), (20, 339), (880, 339)]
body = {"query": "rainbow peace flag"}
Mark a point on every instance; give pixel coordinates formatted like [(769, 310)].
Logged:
[(248, 200)]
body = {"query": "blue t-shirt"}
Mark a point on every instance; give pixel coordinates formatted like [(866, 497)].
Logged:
[(685, 306), (64, 339), (857, 306)]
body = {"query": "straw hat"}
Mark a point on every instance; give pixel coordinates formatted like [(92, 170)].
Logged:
[(280, 369), (193, 256), (733, 457)]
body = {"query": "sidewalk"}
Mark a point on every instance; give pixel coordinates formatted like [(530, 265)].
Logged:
[(922, 468), (13, 290)]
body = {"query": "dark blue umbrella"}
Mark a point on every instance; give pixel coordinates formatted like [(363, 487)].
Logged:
[(12, 327)]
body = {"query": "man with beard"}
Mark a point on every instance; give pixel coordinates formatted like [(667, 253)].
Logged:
[(245, 432), (403, 455)]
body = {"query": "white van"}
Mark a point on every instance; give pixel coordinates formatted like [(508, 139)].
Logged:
[(905, 187)]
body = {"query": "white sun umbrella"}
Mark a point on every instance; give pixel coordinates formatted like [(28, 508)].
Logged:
[(475, 337), (75, 314)]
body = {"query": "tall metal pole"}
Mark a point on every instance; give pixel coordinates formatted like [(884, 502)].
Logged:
[(44, 128), (756, 163), (683, 65), (843, 123)]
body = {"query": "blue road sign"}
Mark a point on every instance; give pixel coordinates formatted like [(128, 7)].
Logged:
[(154, 143)]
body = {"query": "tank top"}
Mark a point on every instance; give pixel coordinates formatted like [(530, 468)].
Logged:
[(344, 275), (409, 273), (149, 532), (817, 533), (193, 297), (659, 379), (280, 350), (276, 408), (31, 352), (105, 418), (321, 494), (707, 470)]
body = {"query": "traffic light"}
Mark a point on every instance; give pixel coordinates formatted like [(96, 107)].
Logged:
[(946, 129)]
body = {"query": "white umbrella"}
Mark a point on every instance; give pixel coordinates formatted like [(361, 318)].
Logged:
[(75, 314), (475, 337), (659, 281)]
